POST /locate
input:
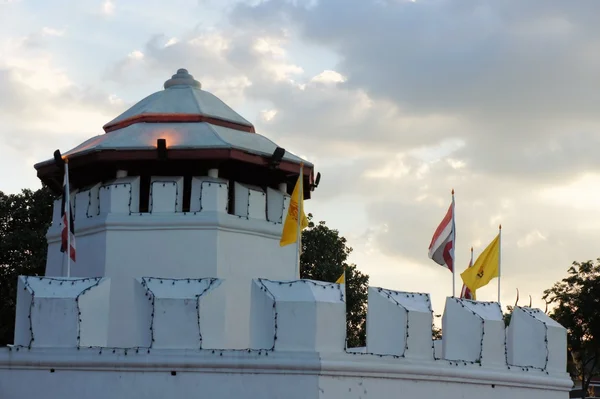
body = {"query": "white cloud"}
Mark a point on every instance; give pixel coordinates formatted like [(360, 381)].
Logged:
[(329, 77), (269, 114), (530, 239), (108, 7), (136, 55), (46, 31), (171, 42)]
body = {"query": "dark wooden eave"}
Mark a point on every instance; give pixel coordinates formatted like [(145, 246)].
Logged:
[(51, 175)]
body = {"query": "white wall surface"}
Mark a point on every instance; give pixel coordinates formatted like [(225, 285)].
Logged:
[(302, 315), (398, 322), (89, 374)]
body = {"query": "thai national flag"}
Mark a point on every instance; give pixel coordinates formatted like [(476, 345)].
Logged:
[(68, 230), (441, 249)]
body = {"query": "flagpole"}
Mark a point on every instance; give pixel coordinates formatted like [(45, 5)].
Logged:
[(300, 213), (453, 249), (68, 208), (473, 294), (499, 259)]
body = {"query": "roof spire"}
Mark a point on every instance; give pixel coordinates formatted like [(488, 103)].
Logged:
[(182, 78)]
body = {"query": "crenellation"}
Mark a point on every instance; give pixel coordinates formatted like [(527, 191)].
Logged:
[(249, 201), (120, 196), (87, 202), (298, 316), (295, 316), (173, 311), (166, 194), (209, 194), (473, 331), (399, 323), (535, 340), (61, 312), (276, 205)]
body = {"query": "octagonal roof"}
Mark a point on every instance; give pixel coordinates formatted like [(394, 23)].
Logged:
[(182, 100), (197, 126)]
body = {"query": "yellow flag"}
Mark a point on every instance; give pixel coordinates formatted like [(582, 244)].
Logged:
[(289, 235), (485, 268), (342, 279)]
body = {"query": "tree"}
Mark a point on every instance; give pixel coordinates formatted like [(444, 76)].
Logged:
[(577, 298), (324, 258), (24, 221)]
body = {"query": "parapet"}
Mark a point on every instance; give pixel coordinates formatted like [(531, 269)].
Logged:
[(535, 340), (300, 316), (166, 195), (399, 323), (61, 312), (286, 316), (172, 311), (120, 196), (473, 332)]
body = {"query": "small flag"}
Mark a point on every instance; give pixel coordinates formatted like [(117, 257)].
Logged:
[(441, 249), (68, 230), (341, 279), (466, 293), (485, 268), (289, 235)]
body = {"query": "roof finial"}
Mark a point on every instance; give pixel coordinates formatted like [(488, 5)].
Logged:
[(182, 78)]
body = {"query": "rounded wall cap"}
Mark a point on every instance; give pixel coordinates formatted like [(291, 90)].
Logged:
[(182, 78)]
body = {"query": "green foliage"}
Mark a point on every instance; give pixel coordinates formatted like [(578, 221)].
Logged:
[(577, 300), (24, 221), (324, 257)]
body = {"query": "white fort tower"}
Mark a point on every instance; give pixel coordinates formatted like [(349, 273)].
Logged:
[(181, 290)]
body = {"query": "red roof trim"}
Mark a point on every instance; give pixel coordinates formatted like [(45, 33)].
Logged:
[(176, 118)]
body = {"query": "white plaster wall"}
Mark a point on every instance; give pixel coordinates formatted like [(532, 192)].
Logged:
[(473, 332), (307, 316), (51, 312), (90, 374), (166, 194), (535, 340), (399, 323), (175, 311)]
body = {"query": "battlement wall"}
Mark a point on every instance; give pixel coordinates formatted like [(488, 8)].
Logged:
[(292, 316), (297, 350), (166, 195)]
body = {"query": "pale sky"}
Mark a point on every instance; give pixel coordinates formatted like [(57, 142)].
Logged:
[(395, 101)]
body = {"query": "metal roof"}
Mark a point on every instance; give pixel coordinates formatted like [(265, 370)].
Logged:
[(182, 95), (187, 117), (143, 136)]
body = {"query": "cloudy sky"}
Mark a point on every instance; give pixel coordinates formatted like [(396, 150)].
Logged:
[(395, 101)]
